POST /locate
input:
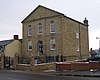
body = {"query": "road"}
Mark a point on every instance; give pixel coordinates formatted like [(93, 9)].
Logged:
[(17, 75)]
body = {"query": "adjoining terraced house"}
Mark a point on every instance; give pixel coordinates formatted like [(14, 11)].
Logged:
[(11, 47), (8, 50), (51, 36)]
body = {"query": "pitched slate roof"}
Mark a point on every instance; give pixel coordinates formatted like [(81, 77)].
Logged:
[(5, 42)]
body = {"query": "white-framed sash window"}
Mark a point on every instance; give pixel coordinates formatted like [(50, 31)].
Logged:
[(78, 48), (29, 45), (39, 29), (52, 44), (29, 30), (52, 27), (77, 35)]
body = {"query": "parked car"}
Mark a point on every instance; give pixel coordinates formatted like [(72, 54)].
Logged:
[(94, 58)]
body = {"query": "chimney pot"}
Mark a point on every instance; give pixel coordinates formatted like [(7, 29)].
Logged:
[(15, 37), (85, 22)]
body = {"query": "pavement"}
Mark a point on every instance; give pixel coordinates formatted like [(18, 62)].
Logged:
[(91, 73)]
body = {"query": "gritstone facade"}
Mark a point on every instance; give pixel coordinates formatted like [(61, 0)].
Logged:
[(51, 36)]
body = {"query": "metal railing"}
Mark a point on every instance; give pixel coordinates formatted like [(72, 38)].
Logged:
[(23, 60)]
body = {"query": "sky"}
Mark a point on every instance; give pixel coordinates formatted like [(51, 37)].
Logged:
[(12, 12)]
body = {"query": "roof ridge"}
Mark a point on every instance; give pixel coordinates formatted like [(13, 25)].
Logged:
[(7, 40), (53, 11)]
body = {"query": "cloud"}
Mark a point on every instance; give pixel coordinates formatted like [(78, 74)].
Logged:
[(7, 31), (12, 12)]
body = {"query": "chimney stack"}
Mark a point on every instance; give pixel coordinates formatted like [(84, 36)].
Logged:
[(91, 50), (85, 22), (15, 37)]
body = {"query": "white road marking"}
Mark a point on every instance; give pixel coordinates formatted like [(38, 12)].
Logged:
[(12, 79)]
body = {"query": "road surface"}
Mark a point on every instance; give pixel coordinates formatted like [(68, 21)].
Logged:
[(19, 75)]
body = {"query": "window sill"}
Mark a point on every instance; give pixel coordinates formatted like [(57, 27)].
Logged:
[(52, 49), (52, 32), (77, 50), (29, 50), (40, 34), (29, 35)]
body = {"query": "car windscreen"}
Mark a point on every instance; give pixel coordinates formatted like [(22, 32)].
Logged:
[(97, 55)]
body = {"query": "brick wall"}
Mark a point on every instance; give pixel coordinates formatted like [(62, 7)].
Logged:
[(94, 65), (80, 66), (63, 66)]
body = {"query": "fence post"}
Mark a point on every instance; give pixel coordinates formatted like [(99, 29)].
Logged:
[(32, 63), (2, 60), (32, 60), (15, 61)]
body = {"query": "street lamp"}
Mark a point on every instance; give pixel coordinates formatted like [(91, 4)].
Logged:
[(99, 41)]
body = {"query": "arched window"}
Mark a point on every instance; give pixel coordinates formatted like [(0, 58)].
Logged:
[(40, 46), (29, 30), (52, 27), (39, 29)]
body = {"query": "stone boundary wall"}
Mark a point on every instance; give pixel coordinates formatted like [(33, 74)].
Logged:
[(43, 67), (22, 67), (37, 67), (79, 66)]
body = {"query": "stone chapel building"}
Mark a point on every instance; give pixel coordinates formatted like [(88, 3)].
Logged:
[(51, 36)]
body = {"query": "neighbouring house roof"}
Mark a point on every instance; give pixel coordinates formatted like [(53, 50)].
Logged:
[(52, 11), (5, 42)]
